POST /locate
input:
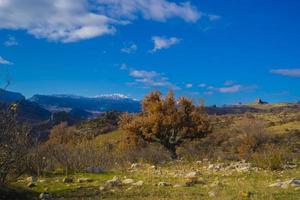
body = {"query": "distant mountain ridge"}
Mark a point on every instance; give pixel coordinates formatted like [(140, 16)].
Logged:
[(99, 103), (10, 97)]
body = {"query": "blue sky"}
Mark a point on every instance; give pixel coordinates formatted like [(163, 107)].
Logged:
[(222, 51)]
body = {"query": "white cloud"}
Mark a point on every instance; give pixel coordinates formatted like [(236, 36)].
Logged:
[(231, 89), (11, 41), (213, 17), (152, 79), (4, 62), (130, 49), (189, 85), (163, 43), (123, 66), (202, 85), (74, 20), (229, 82), (158, 10), (287, 72)]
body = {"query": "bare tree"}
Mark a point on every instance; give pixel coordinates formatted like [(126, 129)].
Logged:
[(14, 146)]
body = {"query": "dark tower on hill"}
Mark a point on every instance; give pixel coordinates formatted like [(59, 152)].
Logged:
[(260, 101)]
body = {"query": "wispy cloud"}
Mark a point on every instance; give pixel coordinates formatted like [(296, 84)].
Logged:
[(4, 62), (130, 49), (11, 41), (151, 79), (189, 85), (202, 85), (71, 21), (228, 87), (212, 17), (229, 82), (287, 72), (231, 89), (163, 43), (123, 66)]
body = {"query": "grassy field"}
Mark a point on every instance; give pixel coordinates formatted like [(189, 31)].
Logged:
[(215, 185)]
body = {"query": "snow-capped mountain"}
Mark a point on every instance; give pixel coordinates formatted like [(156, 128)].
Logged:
[(100, 103)]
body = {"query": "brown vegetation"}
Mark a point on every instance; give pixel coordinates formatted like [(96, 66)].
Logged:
[(166, 121)]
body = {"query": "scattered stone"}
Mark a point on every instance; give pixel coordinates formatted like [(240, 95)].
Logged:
[(212, 194), (199, 162), (101, 188), (115, 182), (164, 184), (45, 196), (139, 183), (178, 185), (67, 180), (31, 184), (290, 166), (128, 189), (128, 181), (84, 180), (286, 184), (153, 167), (32, 179), (192, 174), (95, 170), (135, 165)]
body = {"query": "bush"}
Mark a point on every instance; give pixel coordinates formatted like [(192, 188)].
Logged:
[(271, 157), (250, 134), (14, 146)]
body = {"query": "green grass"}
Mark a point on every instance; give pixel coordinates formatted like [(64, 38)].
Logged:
[(251, 185), (285, 128)]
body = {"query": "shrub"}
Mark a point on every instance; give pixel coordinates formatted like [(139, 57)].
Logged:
[(271, 157), (250, 134), (14, 146)]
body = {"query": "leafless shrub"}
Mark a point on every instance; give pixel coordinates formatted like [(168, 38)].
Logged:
[(14, 146)]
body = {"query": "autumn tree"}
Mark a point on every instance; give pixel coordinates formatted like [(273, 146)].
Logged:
[(61, 141), (167, 121)]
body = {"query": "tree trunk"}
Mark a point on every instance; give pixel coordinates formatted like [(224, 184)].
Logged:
[(172, 149)]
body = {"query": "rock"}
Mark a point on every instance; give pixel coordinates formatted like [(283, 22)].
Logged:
[(199, 162), (139, 183), (45, 196), (286, 184), (212, 194), (128, 181), (179, 185), (153, 167), (294, 182), (164, 184), (101, 188), (290, 166), (31, 184), (32, 179), (115, 182), (84, 180), (67, 180), (135, 165), (95, 170), (128, 189), (192, 174), (42, 181)]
